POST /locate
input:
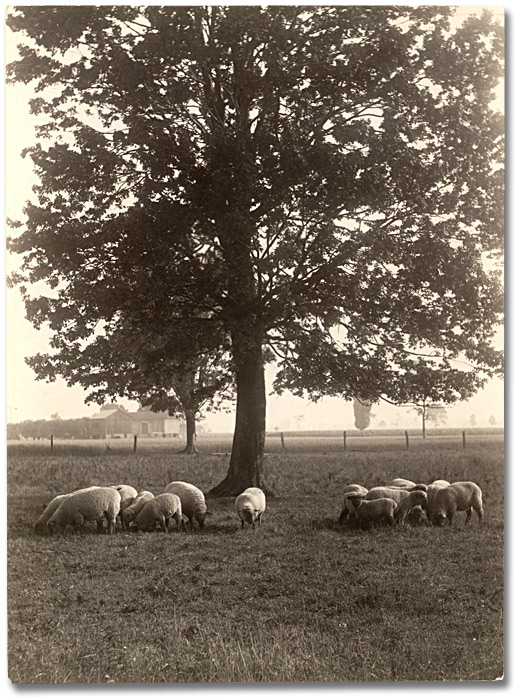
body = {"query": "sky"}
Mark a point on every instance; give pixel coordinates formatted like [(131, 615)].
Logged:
[(28, 399)]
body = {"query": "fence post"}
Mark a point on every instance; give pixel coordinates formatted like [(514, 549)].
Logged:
[(282, 441), (52, 442), (344, 440), (135, 443), (407, 439), (463, 439)]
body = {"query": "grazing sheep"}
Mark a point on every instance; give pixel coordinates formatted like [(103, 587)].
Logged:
[(130, 513), (160, 510), (463, 496), (396, 494), (125, 491), (250, 506), (89, 504), (192, 501), (353, 489), (413, 499), (417, 517), (401, 483), (40, 526), (370, 512), (431, 492)]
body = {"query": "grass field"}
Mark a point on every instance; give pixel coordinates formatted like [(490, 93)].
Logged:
[(298, 599)]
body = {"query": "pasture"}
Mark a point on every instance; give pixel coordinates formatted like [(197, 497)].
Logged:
[(298, 599)]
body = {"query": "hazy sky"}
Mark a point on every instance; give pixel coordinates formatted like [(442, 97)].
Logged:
[(29, 399)]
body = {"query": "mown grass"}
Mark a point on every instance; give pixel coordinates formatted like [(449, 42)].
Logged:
[(298, 599)]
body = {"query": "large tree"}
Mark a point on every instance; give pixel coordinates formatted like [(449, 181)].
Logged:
[(325, 181)]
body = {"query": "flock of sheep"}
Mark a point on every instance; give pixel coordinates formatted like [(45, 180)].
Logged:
[(399, 501), (140, 510), (403, 500)]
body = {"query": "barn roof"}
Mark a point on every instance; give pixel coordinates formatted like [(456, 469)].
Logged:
[(150, 415), (104, 414)]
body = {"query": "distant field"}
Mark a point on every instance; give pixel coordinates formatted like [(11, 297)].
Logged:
[(330, 442), (298, 599)]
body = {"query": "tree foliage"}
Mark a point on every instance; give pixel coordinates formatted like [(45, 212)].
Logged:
[(323, 181)]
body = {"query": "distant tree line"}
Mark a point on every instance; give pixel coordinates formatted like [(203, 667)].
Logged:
[(76, 428)]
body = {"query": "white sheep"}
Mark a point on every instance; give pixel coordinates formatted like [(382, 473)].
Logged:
[(370, 512), (160, 510), (401, 483), (40, 526), (395, 494), (87, 505), (131, 511), (461, 496), (431, 491), (250, 506), (352, 489), (417, 516), (192, 500), (413, 499)]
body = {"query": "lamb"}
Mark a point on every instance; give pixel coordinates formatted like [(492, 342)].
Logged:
[(192, 501), (130, 513), (353, 489), (87, 505), (250, 506), (160, 510), (463, 495), (414, 498), (370, 512)]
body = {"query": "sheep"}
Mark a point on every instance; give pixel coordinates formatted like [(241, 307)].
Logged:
[(431, 492), (86, 505), (159, 510), (125, 491), (417, 516), (250, 506), (192, 501), (462, 495), (396, 494), (40, 526), (130, 513), (413, 499), (401, 483), (353, 489), (369, 512)]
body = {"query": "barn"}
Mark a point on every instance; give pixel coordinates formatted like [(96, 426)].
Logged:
[(150, 423), (111, 422), (115, 421)]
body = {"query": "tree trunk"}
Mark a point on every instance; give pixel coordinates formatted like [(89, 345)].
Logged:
[(247, 454), (424, 423), (190, 447)]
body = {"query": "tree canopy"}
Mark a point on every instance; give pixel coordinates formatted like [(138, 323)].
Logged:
[(325, 182)]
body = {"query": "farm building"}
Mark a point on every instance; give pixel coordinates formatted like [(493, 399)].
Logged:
[(114, 421)]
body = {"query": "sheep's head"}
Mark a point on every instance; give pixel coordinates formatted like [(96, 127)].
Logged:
[(420, 498), (201, 517), (52, 526), (438, 519), (419, 486), (356, 500), (127, 516)]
